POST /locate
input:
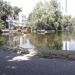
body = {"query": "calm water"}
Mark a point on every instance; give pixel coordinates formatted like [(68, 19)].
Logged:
[(54, 41)]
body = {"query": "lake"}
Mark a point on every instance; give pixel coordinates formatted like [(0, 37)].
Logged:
[(52, 41)]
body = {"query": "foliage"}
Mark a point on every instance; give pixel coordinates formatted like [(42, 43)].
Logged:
[(67, 20), (2, 40), (6, 9), (49, 16), (45, 15), (16, 11), (2, 26), (73, 21)]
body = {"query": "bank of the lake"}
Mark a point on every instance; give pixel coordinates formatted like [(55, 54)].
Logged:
[(52, 45), (41, 53), (12, 63)]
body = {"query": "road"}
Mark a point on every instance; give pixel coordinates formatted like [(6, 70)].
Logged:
[(34, 65)]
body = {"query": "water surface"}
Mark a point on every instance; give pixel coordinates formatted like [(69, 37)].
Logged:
[(52, 41)]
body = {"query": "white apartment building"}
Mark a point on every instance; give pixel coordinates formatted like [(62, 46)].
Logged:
[(22, 19)]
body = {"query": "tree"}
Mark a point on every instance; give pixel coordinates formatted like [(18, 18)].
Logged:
[(16, 10), (66, 21), (46, 16), (5, 10)]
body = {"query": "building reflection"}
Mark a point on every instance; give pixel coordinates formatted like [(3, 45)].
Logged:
[(13, 41), (18, 41), (65, 45), (69, 45)]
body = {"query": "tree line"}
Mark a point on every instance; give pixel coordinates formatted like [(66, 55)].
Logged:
[(49, 16)]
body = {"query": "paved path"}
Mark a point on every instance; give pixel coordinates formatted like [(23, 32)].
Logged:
[(34, 66)]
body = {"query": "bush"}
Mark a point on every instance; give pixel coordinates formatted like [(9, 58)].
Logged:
[(1, 26)]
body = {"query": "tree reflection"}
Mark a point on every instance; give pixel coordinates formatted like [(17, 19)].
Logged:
[(3, 40), (51, 41)]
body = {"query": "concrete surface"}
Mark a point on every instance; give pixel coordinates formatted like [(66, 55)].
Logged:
[(34, 65)]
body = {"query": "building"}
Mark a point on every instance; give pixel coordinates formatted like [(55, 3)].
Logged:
[(22, 19)]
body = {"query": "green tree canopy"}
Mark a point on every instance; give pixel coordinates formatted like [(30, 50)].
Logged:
[(6, 9), (45, 15)]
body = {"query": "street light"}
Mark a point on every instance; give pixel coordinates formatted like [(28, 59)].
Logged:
[(66, 7)]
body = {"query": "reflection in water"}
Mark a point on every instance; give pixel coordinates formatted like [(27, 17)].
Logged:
[(51, 41), (65, 45), (69, 45), (54, 41), (3, 40), (18, 41)]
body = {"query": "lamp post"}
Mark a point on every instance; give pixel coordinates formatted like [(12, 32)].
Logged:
[(66, 6)]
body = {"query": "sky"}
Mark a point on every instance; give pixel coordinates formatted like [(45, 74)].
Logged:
[(70, 7), (28, 5)]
